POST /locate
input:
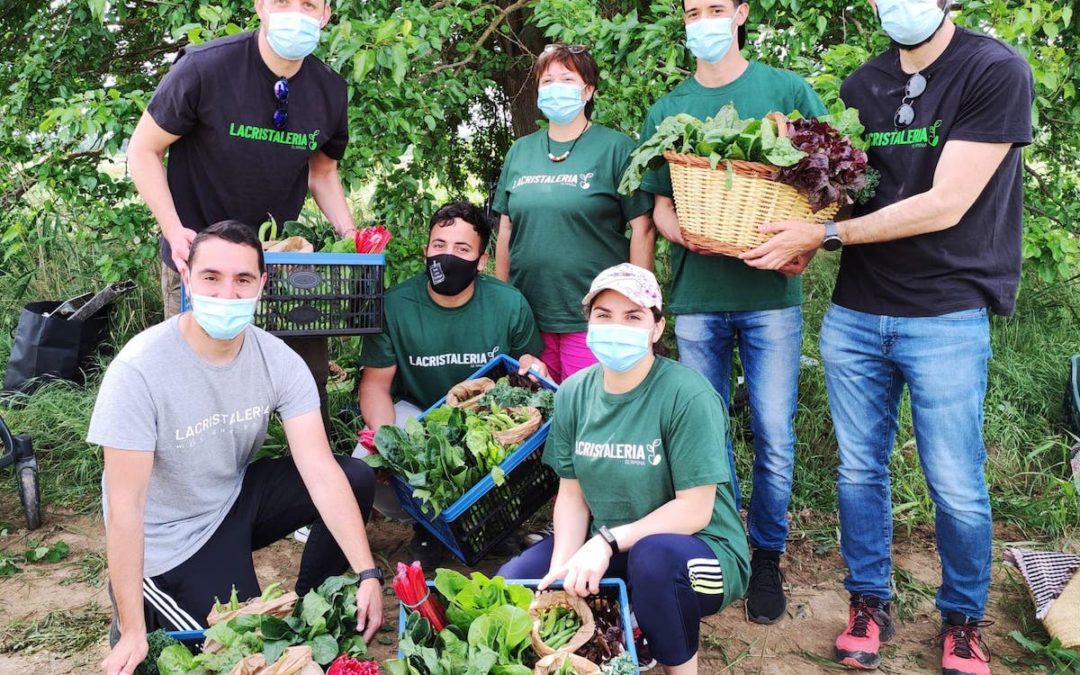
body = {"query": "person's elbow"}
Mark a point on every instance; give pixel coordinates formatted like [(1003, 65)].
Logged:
[(700, 503)]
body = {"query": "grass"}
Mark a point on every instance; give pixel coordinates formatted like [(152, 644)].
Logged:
[(60, 631)]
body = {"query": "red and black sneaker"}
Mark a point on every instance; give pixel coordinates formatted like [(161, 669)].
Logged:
[(963, 651), (869, 624)]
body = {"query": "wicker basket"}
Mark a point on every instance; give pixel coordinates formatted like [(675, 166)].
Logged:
[(1063, 619), (720, 211)]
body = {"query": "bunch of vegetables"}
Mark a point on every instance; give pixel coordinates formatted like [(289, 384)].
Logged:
[(324, 620), (370, 239), (566, 668), (609, 640), (347, 665), (448, 453), (623, 664), (488, 630), (823, 158), (516, 390), (557, 625)]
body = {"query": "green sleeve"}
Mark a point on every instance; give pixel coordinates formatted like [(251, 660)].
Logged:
[(378, 351), (559, 447), (526, 336), (806, 99), (655, 181), (635, 204), (502, 194), (696, 442)]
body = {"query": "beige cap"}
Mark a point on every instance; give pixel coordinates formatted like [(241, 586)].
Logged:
[(636, 283)]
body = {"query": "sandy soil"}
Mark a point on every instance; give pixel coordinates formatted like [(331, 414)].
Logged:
[(801, 643)]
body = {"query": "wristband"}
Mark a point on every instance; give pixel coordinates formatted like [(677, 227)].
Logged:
[(607, 536)]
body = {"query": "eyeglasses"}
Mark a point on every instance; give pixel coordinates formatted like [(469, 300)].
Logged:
[(573, 49), (914, 88), (281, 113)]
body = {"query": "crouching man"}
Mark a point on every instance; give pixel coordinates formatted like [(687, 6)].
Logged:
[(181, 412)]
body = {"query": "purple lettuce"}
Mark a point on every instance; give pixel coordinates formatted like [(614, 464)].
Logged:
[(833, 169)]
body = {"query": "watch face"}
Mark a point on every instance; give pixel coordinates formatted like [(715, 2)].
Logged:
[(831, 244)]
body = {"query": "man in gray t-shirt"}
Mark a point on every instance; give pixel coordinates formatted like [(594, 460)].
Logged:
[(181, 412)]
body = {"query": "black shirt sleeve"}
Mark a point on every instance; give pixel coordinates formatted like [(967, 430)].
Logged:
[(175, 103), (339, 140), (996, 107)]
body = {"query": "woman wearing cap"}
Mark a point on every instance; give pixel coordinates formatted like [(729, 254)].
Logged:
[(563, 220), (645, 490)]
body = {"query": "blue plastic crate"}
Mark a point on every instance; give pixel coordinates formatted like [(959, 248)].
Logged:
[(609, 587), (320, 294), (487, 513)]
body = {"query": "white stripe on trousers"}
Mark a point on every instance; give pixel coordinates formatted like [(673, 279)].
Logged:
[(168, 607)]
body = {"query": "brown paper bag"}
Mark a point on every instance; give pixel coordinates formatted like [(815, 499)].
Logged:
[(288, 245), (465, 394), (552, 662), (295, 661), (280, 607), (553, 599)]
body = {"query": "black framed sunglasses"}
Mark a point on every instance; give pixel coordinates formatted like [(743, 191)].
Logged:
[(914, 88), (281, 95), (573, 49)]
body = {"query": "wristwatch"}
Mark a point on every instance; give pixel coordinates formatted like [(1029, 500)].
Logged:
[(607, 536), (373, 573), (832, 241)]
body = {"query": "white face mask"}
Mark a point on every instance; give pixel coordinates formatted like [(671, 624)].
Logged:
[(292, 35), (910, 22)]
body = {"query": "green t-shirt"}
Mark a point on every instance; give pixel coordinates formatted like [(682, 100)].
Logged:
[(434, 348), (631, 452), (570, 222), (706, 283)]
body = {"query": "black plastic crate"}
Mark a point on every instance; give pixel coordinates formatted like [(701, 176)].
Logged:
[(322, 294), (487, 513)]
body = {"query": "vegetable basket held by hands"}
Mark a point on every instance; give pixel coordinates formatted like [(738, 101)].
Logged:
[(731, 175)]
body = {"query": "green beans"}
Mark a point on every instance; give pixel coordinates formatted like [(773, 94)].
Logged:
[(557, 625)]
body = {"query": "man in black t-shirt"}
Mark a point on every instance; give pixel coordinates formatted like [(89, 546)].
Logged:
[(947, 112), (251, 122)]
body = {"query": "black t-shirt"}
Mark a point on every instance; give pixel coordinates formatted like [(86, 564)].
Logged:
[(231, 162), (978, 90)]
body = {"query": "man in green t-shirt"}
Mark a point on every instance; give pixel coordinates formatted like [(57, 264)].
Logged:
[(719, 300), (440, 327)]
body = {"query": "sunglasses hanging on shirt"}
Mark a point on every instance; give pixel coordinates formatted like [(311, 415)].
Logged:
[(914, 88), (281, 95)]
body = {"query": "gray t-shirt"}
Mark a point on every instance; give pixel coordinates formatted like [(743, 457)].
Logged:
[(203, 424)]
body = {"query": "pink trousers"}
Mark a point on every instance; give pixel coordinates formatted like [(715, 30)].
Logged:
[(565, 354)]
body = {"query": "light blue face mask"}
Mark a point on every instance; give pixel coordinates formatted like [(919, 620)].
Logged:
[(710, 39), (292, 35), (910, 22), (618, 347), (560, 102), (223, 318)]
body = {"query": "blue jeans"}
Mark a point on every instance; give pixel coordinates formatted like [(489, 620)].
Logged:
[(868, 360), (770, 343)]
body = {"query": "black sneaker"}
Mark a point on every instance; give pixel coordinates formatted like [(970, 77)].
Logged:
[(426, 548), (765, 599)]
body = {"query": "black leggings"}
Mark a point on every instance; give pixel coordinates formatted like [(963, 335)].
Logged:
[(273, 503)]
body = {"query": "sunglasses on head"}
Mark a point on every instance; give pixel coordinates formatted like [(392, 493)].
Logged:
[(281, 95), (573, 49), (914, 88)]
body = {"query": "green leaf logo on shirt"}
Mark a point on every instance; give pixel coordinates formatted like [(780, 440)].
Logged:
[(313, 140)]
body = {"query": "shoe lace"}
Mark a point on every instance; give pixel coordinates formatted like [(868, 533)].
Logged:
[(864, 613), (765, 574), (964, 635)]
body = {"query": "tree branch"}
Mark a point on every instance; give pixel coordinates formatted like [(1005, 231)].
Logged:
[(502, 16)]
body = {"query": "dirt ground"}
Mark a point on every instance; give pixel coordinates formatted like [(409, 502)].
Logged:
[(44, 608)]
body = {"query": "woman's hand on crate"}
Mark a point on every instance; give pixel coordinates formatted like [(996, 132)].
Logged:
[(530, 364), (581, 574)]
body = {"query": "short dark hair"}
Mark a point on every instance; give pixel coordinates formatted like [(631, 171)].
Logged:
[(232, 231), (471, 214), (581, 62)]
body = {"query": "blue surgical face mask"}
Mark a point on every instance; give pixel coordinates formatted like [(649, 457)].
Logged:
[(618, 347), (292, 35), (561, 103), (710, 39), (910, 22), (223, 318)]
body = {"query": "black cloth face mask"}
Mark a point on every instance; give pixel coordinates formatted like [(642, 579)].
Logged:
[(449, 274)]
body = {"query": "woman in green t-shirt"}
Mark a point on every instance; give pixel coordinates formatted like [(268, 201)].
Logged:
[(562, 217), (645, 494)]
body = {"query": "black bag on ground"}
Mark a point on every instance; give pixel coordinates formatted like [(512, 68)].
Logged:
[(48, 347)]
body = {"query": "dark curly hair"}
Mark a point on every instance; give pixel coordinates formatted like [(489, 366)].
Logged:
[(470, 213)]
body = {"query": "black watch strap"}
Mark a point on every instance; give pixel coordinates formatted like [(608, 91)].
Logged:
[(373, 573), (607, 536)]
